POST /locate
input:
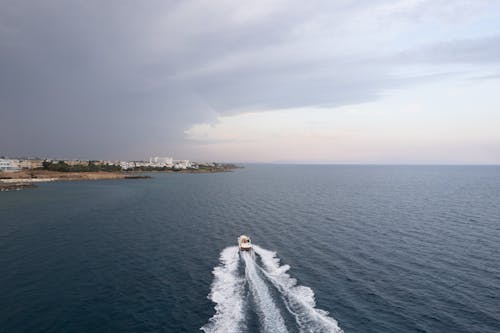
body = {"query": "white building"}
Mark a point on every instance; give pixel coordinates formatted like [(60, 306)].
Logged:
[(182, 164), (9, 165), (161, 161), (126, 165)]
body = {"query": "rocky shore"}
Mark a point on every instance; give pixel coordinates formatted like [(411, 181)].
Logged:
[(25, 179), (15, 187)]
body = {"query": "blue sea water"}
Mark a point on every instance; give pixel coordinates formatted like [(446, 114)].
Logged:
[(380, 248)]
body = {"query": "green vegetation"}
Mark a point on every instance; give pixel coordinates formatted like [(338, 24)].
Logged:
[(151, 168), (61, 166), (95, 166), (215, 167)]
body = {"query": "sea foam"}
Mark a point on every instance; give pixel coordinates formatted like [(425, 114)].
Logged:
[(298, 299), (269, 315), (227, 293), (228, 290)]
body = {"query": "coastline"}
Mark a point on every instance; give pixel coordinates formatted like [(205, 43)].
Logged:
[(18, 180), (201, 170), (15, 187)]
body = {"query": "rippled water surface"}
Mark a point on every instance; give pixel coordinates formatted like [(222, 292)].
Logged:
[(367, 248)]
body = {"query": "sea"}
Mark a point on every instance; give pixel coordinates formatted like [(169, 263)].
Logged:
[(337, 248)]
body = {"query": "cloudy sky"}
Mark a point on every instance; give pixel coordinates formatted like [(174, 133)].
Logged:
[(411, 81)]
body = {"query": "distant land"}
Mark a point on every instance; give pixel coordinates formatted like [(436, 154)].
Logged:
[(17, 174)]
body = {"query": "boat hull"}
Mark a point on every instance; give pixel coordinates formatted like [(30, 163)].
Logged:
[(244, 243)]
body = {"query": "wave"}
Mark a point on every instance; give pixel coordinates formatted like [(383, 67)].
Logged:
[(227, 294), (298, 299), (270, 317)]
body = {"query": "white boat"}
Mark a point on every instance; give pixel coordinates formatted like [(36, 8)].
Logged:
[(244, 243)]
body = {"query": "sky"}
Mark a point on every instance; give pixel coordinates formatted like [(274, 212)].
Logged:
[(375, 82)]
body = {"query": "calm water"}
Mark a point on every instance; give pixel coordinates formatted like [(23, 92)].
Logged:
[(383, 248)]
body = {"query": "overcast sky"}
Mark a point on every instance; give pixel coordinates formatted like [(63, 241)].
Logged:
[(256, 81)]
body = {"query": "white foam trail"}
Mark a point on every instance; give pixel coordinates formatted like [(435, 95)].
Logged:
[(269, 315), (227, 293), (299, 299)]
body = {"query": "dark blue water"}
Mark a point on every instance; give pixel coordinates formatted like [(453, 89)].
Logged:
[(384, 248)]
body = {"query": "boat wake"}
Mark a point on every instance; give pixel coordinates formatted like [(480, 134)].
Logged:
[(269, 315), (229, 289), (227, 294)]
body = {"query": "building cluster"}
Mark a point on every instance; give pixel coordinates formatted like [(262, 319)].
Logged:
[(159, 162), (20, 164), (153, 163)]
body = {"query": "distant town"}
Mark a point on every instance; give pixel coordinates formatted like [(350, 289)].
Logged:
[(22, 173), (75, 165)]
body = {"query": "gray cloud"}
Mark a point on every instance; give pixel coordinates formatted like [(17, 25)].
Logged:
[(123, 79)]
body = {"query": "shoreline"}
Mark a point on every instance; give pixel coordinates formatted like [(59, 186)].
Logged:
[(213, 170), (15, 187), (18, 180)]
